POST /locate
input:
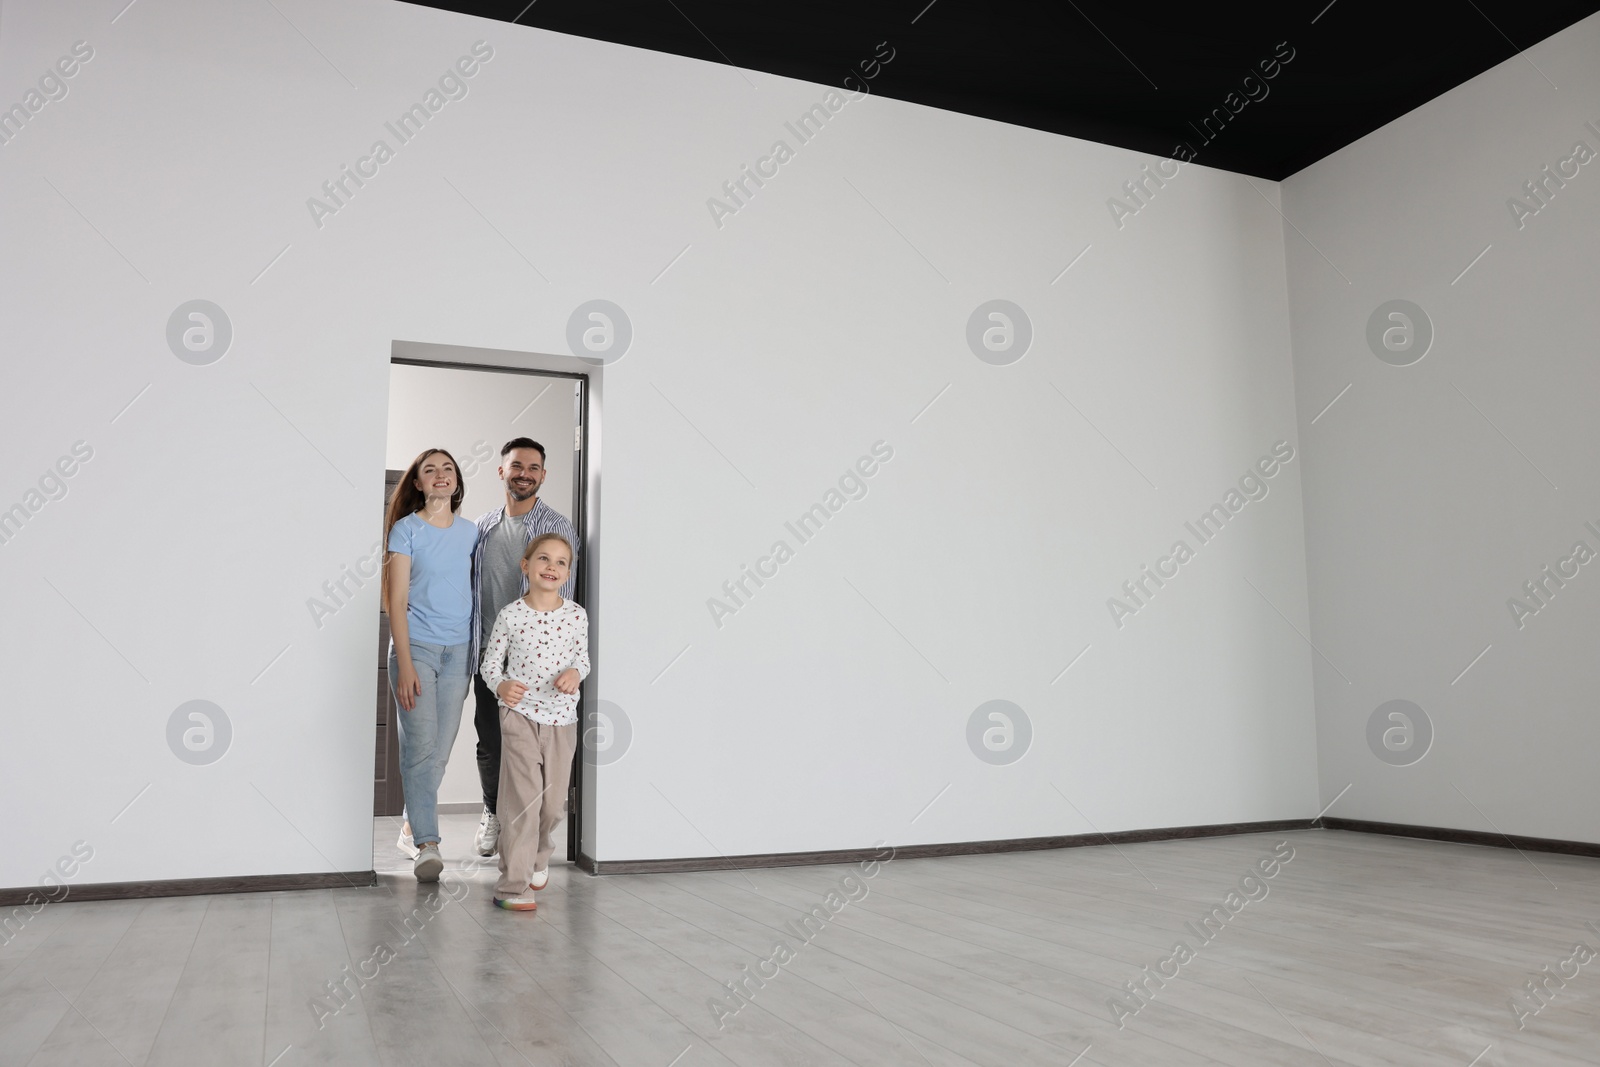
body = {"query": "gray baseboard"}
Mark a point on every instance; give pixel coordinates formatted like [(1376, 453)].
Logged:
[(959, 848), (1028, 844), (1465, 837), (188, 887)]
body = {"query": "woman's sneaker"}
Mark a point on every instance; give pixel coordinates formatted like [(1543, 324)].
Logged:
[(429, 863), (518, 903), (488, 838), (405, 844), (540, 879)]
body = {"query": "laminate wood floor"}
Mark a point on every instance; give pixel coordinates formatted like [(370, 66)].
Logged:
[(1363, 951)]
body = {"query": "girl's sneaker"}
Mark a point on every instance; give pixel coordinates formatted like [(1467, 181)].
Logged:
[(518, 903)]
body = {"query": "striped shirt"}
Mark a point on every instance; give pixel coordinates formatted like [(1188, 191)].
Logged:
[(541, 519)]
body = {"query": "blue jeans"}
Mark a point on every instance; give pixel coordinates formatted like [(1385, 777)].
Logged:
[(428, 730)]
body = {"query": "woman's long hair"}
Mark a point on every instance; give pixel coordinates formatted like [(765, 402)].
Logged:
[(408, 499)]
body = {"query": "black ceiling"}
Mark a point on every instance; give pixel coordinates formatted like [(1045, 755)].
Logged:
[(1135, 74)]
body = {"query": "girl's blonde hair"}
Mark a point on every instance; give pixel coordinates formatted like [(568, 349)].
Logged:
[(533, 546)]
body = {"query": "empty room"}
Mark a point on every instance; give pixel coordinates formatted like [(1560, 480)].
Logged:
[(693, 534)]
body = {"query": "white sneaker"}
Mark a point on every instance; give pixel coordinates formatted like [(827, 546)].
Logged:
[(540, 879), (488, 838), (429, 863), (404, 844)]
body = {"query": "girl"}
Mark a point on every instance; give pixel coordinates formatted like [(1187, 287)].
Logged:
[(533, 661), (428, 593)]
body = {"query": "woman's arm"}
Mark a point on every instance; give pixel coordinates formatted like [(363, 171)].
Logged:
[(397, 567)]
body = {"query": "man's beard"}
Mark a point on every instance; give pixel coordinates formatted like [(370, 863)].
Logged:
[(520, 495)]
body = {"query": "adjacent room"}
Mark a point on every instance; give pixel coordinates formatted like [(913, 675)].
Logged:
[(1092, 509)]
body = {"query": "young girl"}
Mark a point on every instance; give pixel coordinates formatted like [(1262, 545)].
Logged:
[(533, 661), (428, 593)]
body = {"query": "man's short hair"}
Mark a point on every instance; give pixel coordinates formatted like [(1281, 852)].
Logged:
[(523, 442)]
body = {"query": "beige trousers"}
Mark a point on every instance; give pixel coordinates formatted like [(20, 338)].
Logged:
[(535, 767)]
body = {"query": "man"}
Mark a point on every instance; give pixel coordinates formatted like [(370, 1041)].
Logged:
[(497, 580)]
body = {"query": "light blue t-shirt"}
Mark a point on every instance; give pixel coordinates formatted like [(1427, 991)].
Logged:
[(439, 602)]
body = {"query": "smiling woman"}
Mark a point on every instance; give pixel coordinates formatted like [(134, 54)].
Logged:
[(428, 591)]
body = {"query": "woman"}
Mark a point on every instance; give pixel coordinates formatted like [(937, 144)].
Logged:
[(428, 594)]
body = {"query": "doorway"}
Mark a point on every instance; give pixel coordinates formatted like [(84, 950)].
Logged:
[(472, 407)]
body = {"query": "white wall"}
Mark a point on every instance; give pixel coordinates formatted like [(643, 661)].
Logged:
[(474, 414), (823, 317), (1435, 490)]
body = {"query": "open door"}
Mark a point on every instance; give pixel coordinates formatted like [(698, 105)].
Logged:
[(476, 407)]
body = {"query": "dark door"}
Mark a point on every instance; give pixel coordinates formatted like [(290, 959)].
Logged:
[(388, 797)]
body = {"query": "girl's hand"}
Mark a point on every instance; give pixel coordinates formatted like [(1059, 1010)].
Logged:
[(510, 692), (409, 688), (567, 681)]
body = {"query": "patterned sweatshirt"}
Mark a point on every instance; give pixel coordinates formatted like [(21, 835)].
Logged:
[(533, 647)]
